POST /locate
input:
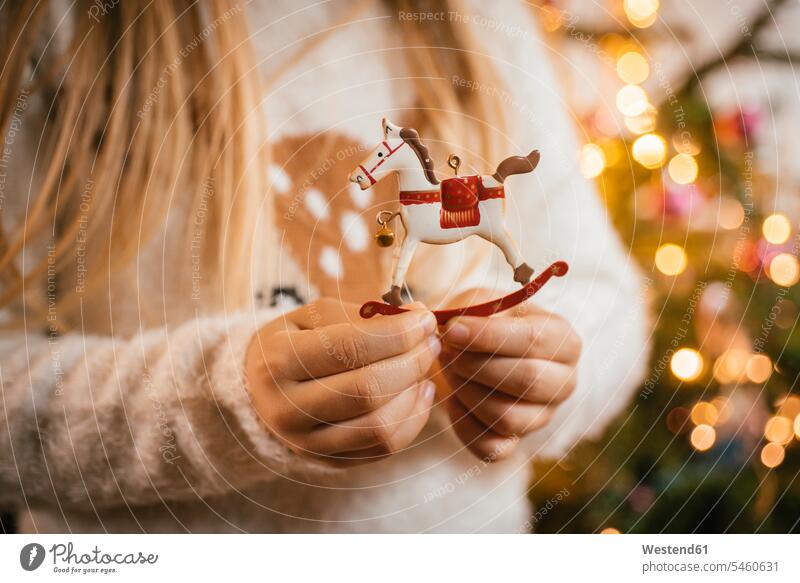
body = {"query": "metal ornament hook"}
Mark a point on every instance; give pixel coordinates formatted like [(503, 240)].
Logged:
[(454, 162), (381, 221)]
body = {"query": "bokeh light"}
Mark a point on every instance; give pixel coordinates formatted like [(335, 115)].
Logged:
[(677, 419), (776, 228), (609, 530), (632, 100), (632, 67), (704, 413), (731, 365), (779, 430), (550, 17), (641, 13), (592, 160), (686, 364), (724, 408), (643, 123), (650, 150), (685, 144), (683, 169), (772, 455), (789, 406), (671, 259), (759, 368), (703, 437), (797, 427), (784, 270), (731, 213)]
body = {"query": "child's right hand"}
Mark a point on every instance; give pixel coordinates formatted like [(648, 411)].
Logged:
[(332, 385)]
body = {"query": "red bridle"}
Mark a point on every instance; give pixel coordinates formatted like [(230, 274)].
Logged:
[(368, 173)]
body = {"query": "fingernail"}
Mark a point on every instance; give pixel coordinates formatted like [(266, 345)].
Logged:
[(429, 322), (429, 391), (456, 332), (435, 345)]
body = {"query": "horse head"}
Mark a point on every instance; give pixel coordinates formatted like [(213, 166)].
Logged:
[(401, 149)]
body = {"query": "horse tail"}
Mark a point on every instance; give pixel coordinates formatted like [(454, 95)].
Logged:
[(516, 165)]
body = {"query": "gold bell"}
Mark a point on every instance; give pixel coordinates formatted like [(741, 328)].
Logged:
[(384, 237)]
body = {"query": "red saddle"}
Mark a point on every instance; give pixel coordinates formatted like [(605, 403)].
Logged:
[(460, 202)]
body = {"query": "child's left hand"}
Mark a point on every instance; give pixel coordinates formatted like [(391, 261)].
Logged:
[(508, 374)]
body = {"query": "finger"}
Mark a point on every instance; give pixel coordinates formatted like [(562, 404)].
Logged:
[(531, 379), (502, 414), (480, 440), (545, 336), (350, 345), (402, 440), (323, 312), (350, 394), (377, 428)]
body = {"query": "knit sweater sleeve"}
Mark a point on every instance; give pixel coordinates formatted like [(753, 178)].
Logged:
[(162, 416)]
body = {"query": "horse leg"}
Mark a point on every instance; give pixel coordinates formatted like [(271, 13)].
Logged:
[(398, 277), (503, 240)]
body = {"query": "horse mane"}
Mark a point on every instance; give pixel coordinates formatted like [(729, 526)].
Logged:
[(411, 137)]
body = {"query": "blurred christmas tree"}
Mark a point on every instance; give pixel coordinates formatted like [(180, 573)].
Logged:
[(710, 444)]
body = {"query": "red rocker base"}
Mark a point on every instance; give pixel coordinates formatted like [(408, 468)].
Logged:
[(559, 268)]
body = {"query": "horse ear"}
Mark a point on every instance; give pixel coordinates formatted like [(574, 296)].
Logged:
[(390, 129)]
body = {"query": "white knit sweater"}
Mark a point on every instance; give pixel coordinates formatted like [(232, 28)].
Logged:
[(122, 430)]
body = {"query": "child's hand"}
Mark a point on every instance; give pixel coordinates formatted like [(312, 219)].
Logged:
[(508, 374), (332, 385)]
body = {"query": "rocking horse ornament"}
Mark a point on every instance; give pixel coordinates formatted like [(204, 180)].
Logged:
[(444, 212)]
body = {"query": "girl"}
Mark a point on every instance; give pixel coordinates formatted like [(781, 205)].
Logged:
[(181, 280)]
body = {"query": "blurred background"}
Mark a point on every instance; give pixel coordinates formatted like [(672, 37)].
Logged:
[(689, 114)]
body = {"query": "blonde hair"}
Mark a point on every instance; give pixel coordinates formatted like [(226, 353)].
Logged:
[(133, 125)]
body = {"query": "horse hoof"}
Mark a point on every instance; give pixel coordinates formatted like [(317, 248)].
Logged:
[(523, 273), (393, 296)]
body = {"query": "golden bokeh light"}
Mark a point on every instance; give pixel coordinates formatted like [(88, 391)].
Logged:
[(759, 368), (550, 17), (789, 406), (686, 364), (677, 418), (724, 408), (685, 144), (797, 427), (650, 150), (592, 160), (632, 100), (779, 430), (703, 437), (614, 151), (683, 169), (731, 213), (610, 530), (772, 455), (632, 67), (671, 259), (776, 228), (643, 123), (731, 365), (641, 13), (704, 413), (784, 270)]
